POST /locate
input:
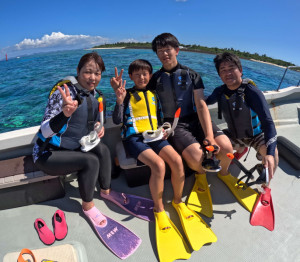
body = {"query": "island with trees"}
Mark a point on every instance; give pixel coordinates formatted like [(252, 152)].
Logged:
[(203, 49)]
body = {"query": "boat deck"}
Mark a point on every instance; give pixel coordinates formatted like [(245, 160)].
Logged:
[(237, 239)]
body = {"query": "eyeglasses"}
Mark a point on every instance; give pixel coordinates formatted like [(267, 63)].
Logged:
[(162, 51)]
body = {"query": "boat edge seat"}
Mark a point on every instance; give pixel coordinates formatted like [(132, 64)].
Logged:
[(20, 170), (21, 183), (289, 152), (136, 172), (125, 161)]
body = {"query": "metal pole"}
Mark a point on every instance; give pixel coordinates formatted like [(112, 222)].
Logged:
[(282, 78)]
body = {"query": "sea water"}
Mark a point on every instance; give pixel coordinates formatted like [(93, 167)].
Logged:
[(25, 82)]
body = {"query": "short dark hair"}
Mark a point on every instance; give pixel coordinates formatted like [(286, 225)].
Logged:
[(164, 40), (91, 56), (227, 57), (140, 64)]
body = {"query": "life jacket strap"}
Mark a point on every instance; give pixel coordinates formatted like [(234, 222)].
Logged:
[(136, 96), (90, 120)]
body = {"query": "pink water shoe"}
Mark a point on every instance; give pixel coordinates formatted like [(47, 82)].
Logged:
[(45, 234), (60, 225)]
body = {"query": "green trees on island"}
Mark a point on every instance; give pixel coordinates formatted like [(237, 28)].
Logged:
[(202, 49)]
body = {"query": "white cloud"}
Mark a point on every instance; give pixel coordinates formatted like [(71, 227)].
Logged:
[(129, 40), (60, 39), (55, 41)]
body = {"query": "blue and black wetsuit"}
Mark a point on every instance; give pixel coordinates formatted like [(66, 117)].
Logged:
[(246, 113), (174, 89), (57, 150)]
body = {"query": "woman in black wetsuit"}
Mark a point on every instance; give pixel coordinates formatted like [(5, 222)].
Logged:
[(71, 113)]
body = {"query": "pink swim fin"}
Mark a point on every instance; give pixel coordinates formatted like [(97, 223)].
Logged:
[(263, 211)]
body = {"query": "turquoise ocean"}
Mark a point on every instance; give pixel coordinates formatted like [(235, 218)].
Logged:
[(25, 82)]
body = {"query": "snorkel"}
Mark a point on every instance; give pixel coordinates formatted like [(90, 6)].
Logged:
[(89, 141), (175, 122), (210, 163), (263, 172), (151, 136)]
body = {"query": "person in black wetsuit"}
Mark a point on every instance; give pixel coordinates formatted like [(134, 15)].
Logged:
[(245, 111), (176, 86), (71, 113)]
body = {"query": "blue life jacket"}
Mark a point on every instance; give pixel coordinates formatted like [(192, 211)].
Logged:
[(242, 121)]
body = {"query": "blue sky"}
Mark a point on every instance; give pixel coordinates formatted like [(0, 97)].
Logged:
[(262, 26)]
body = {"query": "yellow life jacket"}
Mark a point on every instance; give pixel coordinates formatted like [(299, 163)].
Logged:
[(140, 112)]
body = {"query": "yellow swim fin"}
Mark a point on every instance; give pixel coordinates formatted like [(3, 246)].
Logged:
[(170, 243), (196, 230), (200, 198), (247, 197)]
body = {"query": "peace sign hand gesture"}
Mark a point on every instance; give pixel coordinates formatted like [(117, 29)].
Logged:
[(69, 105), (115, 81), (121, 92)]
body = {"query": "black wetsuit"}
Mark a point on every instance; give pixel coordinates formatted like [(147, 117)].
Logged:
[(91, 166), (255, 101), (180, 93)]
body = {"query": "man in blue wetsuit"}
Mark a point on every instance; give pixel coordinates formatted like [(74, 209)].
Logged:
[(245, 111)]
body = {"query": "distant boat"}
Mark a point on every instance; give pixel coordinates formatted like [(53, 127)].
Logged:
[(6, 56)]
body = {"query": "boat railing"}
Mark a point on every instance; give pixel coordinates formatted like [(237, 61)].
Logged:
[(288, 67)]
